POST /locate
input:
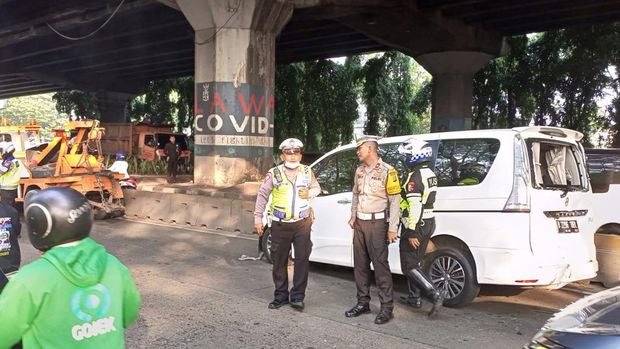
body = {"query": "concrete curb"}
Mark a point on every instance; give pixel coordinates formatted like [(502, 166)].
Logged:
[(177, 207)]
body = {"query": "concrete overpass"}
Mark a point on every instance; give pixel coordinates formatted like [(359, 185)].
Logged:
[(114, 47)]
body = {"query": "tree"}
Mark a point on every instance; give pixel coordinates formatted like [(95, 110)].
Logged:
[(555, 78), (289, 118), (317, 102), (42, 108), (393, 98), (78, 103), (330, 103)]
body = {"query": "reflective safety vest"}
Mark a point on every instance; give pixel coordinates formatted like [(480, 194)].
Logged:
[(9, 180), (418, 196), (286, 205)]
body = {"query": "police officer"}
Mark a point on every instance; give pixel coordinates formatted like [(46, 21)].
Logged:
[(418, 197), (9, 174), (10, 228), (374, 219), (291, 186)]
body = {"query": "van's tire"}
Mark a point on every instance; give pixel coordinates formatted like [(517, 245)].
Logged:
[(462, 285), (266, 244)]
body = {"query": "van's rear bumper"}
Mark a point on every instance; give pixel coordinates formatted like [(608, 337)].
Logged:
[(511, 267)]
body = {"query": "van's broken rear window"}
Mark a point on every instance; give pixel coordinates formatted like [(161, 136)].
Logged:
[(556, 165)]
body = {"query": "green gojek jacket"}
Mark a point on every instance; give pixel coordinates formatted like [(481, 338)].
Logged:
[(76, 296)]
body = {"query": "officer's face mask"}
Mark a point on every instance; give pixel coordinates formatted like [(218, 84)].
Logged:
[(291, 165), (292, 157)]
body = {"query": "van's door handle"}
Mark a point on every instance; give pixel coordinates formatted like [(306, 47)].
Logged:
[(344, 201)]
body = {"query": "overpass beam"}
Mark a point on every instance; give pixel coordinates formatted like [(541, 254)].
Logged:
[(234, 91), (453, 74)]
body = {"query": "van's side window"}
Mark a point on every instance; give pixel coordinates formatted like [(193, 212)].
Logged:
[(390, 155), (463, 162), (335, 174)]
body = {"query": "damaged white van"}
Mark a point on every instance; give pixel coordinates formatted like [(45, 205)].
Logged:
[(511, 209)]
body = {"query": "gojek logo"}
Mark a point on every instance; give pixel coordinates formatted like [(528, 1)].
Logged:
[(91, 305)]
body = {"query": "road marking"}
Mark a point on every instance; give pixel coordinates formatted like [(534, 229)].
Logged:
[(190, 228)]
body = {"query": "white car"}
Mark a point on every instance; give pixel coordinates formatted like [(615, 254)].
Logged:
[(524, 220)]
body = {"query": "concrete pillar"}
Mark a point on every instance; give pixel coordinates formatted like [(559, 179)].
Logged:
[(235, 79), (453, 74), (113, 106)]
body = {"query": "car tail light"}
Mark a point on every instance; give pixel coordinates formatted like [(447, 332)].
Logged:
[(519, 199)]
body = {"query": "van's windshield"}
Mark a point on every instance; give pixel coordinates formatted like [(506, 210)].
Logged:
[(557, 165)]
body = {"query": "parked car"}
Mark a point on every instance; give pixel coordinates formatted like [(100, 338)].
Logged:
[(592, 322), (524, 221), (604, 169)]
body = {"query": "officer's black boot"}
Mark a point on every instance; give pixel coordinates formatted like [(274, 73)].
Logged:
[(413, 297), (418, 277)]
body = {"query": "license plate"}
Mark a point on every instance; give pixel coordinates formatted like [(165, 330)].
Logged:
[(567, 226)]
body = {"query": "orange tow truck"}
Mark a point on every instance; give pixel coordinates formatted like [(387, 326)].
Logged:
[(68, 161), (23, 137)]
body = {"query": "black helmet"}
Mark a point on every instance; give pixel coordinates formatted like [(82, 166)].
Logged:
[(56, 216)]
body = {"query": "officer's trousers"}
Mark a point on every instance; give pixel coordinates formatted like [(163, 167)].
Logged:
[(282, 236), (370, 245), (411, 258), (8, 196), (171, 170)]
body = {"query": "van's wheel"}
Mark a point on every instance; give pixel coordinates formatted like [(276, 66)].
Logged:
[(449, 269), (266, 244)]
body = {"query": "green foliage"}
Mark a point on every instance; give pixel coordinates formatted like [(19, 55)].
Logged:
[(40, 107), (317, 102), (138, 166), (397, 95), (78, 103), (555, 78), (169, 101)]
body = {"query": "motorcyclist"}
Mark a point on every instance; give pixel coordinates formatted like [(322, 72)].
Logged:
[(418, 221), (120, 165), (77, 295)]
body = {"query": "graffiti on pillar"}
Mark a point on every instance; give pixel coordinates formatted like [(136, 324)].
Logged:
[(233, 121)]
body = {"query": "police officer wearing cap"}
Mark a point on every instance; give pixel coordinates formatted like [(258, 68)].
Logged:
[(417, 201), (9, 174), (374, 219), (292, 186)]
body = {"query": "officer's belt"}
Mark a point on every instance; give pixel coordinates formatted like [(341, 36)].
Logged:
[(370, 216), (276, 219), (427, 214)]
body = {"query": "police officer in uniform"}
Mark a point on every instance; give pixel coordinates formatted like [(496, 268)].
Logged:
[(291, 186), (374, 219), (9, 174), (10, 228), (418, 197)]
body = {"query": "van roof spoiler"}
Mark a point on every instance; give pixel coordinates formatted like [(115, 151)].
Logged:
[(558, 132)]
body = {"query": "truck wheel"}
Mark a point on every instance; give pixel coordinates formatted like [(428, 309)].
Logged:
[(99, 214), (266, 244), (449, 269)]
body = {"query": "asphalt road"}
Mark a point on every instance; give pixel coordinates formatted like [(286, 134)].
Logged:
[(196, 293)]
